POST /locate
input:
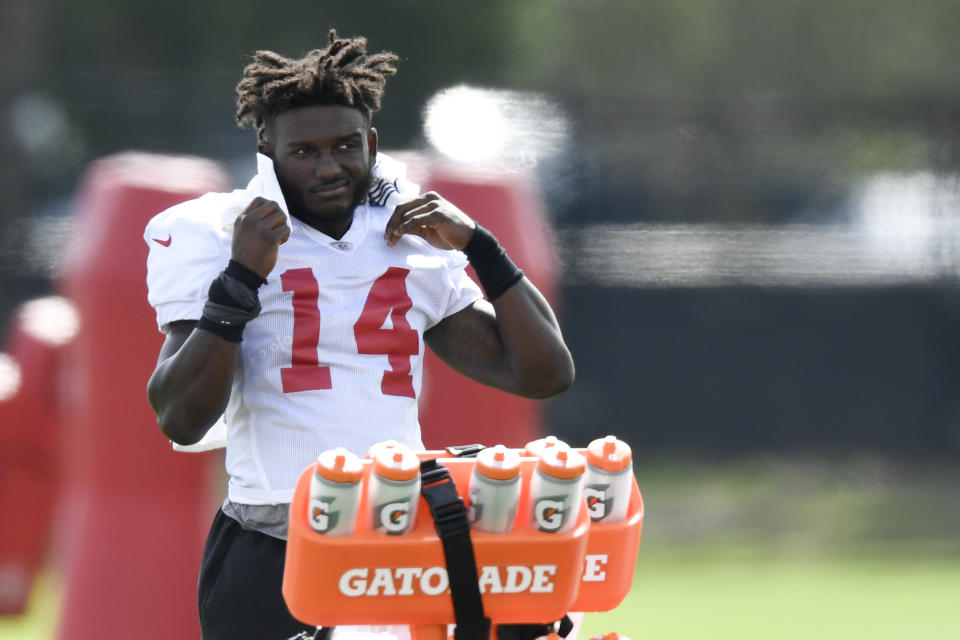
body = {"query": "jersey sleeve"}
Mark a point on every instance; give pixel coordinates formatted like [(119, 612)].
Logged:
[(463, 291), (186, 254)]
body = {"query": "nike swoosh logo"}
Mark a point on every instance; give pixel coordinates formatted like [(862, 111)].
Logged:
[(165, 243)]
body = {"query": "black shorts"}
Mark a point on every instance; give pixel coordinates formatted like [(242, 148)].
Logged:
[(239, 591)]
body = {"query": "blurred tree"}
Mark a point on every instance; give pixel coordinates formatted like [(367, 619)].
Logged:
[(682, 110), (746, 110)]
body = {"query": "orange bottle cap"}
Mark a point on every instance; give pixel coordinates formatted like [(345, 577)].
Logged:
[(385, 444), (398, 463), (609, 454), (561, 463), (339, 465), (498, 463), (536, 447)]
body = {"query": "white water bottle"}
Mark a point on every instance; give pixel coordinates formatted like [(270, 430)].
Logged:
[(556, 490), (608, 479), (495, 490), (394, 490), (335, 492)]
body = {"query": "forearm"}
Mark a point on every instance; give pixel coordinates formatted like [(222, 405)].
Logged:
[(189, 390)]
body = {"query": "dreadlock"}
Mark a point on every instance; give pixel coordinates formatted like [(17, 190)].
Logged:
[(340, 74)]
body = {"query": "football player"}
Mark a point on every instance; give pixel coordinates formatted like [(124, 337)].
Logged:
[(300, 308)]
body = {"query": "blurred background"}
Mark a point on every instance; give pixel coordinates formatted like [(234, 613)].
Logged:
[(756, 208)]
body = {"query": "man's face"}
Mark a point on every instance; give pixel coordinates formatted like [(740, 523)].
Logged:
[(322, 156)]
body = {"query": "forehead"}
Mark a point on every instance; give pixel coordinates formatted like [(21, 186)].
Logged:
[(321, 122)]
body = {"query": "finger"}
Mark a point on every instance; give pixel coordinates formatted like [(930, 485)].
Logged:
[(393, 233), (401, 210), (417, 224), (254, 205), (415, 221), (281, 234), (274, 220), (423, 207), (398, 212), (266, 209)]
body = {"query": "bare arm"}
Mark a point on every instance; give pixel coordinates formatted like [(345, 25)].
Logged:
[(190, 387), (513, 344)]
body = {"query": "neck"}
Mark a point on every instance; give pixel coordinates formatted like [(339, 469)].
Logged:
[(336, 227)]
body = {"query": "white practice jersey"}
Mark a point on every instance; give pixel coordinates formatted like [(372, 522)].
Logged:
[(335, 357)]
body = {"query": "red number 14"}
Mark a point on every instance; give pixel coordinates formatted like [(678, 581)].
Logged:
[(387, 298)]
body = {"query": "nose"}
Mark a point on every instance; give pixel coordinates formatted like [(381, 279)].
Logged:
[(327, 167)]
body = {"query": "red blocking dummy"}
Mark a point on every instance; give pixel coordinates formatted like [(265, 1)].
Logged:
[(135, 513), (30, 441)]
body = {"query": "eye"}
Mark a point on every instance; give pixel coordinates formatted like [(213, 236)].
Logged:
[(301, 151)]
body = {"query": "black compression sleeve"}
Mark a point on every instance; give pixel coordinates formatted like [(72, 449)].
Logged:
[(231, 302), (495, 270)]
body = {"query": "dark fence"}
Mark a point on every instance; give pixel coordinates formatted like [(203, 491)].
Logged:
[(727, 370)]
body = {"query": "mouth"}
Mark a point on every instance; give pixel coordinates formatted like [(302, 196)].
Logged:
[(332, 189)]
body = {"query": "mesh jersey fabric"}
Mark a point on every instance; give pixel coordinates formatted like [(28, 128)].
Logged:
[(335, 357)]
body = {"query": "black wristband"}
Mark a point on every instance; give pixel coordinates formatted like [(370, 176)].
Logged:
[(231, 302), (244, 275), (229, 333), (494, 268)]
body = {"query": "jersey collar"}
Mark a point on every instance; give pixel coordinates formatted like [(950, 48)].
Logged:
[(269, 185)]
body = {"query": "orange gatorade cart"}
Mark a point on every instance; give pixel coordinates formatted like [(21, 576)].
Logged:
[(525, 576)]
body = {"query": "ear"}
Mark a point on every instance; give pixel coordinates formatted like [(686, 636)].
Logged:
[(265, 149), (372, 145)]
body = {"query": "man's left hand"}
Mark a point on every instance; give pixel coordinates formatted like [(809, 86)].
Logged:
[(432, 218)]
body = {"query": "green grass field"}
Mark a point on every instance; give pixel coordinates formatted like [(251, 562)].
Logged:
[(770, 547), (733, 596)]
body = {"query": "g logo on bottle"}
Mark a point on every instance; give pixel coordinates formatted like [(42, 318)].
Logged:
[(475, 509), (550, 513), (394, 516), (322, 517), (598, 502)]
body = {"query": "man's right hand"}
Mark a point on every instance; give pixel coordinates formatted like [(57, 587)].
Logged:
[(258, 233)]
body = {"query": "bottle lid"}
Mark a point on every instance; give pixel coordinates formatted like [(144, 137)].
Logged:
[(561, 463), (536, 447), (398, 463), (339, 465), (498, 463), (609, 454), (385, 444)]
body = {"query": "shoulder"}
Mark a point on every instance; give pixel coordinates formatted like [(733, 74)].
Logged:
[(191, 236), (208, 213)]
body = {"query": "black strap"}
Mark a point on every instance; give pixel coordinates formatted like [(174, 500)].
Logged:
[(465, 450), (453, 526), (531, 631)]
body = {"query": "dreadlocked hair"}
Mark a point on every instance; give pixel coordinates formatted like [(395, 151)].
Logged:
[(341, 74)]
